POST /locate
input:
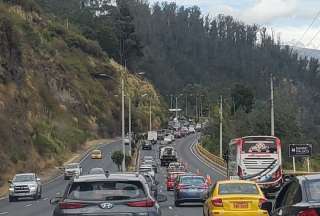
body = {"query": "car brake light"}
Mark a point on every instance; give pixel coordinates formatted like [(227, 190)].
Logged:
[(217, 202), (261, 201), (143, 203), (308, 212), (71, 205)]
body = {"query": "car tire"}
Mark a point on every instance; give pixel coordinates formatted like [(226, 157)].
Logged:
[(12, 199), (176, 203)]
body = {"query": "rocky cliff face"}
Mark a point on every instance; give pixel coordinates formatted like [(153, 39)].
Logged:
[(49, 102)]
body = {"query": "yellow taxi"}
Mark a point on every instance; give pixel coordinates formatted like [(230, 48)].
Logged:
[(96, 154), (234, 198)]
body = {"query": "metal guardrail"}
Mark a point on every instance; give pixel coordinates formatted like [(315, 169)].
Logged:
[(210, 157)]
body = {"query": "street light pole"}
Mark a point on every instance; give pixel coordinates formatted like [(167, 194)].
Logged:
[(196, 108), (150, 117), (186, 105), (177, 107), (221, 118), (130, 135)]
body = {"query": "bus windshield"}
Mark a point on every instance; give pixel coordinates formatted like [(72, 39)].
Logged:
[(259, 147)]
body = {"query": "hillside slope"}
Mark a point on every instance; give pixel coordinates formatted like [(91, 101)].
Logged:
[(49, 102)]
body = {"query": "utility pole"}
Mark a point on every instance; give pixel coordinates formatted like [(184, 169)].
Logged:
[(123, 132), (177, 107), (186, 105), (196, 108), (200, 105), (150, 116), (171, 101), (272, 106), (130, 135), (221, 118)]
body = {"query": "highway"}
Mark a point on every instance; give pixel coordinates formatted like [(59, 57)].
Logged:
[(42, 207)]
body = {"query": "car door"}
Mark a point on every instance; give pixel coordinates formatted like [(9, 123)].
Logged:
[(207, 206), (288, 196)]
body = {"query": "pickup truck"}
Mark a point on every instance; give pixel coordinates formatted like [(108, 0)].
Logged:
[(25, 185), (71, 170)]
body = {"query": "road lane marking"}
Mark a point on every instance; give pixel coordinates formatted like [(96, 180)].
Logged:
[(204, 162), (45, 198), (3, 213), (2, 198), (28, 205)]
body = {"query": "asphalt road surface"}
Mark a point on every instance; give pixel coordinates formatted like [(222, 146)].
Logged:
[(184, 146), (42, 207), (195, 164)]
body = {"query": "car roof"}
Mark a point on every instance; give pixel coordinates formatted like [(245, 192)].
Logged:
[(235, 181), (70, 164), (309, 177), (111, 176), (22, 174)]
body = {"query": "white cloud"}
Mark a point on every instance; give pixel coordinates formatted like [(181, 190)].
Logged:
[(265, 11), (290, 35)]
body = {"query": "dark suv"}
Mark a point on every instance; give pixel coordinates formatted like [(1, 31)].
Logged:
[(110, 194), (300, 196)]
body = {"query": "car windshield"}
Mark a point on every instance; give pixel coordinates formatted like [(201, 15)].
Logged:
[(259, 147), (192, 180), (72, 166), (97, 171), (96, 152), (238, 188), (24, 178), (106, 190), (313, 188)]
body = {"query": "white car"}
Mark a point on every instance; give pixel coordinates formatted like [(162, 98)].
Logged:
[(192, 129), (147, 168)]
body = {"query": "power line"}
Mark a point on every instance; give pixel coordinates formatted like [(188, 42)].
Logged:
[(311, 24), (318, 32)]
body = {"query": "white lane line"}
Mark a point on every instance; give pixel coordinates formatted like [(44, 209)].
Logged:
[(170, 207), (28, 205), (45, 198), (204, 162), (2, 198), (3, 213)]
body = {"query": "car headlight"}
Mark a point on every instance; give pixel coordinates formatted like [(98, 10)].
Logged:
[(32, 187)]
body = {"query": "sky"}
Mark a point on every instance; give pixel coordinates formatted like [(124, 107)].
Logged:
[(288, 18)]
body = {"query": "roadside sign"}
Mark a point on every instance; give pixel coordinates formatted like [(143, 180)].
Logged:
[(300, 150)]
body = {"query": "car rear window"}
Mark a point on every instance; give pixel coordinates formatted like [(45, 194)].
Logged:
[(106, 190), (313, 188), (238, 188), (192, 180)]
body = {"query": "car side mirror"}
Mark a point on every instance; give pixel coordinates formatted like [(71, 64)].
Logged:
[(267, 206), (161, 198), (10, 181), (226, 156), (55, 201)]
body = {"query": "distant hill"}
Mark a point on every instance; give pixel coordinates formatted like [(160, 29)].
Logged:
[(307, 52)]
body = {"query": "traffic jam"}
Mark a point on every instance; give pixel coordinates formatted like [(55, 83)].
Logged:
[(254, 184)]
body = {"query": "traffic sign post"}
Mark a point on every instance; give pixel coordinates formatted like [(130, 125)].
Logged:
[(300, 150)]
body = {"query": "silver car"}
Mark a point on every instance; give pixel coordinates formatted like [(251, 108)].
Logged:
[(71, 170), (116, 194), (25, 185)]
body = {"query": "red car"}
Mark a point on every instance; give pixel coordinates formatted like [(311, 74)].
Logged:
[(171, 179)]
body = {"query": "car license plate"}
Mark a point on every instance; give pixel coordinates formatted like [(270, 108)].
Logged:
[(193, 190), (240, 205)]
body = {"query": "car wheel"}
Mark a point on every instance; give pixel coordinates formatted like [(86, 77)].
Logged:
[(12, 199), (176, 203)]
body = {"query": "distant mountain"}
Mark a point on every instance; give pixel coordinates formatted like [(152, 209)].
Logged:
[(307, 52)]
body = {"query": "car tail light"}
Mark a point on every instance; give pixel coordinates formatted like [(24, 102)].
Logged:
[(143, 203), (181, 186), (217, 202), (71, 205), (308, 212), (261, 201)]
